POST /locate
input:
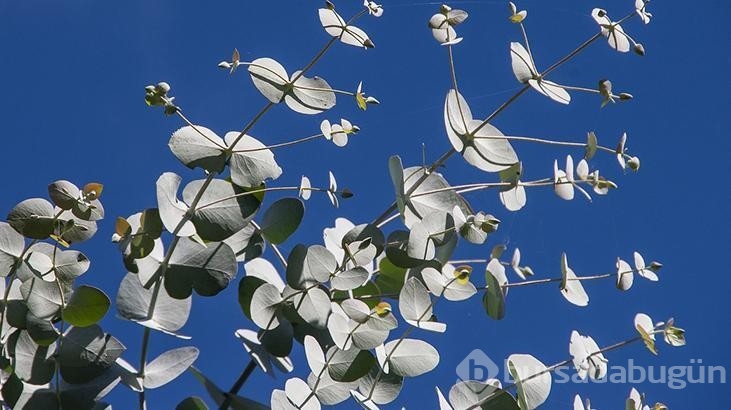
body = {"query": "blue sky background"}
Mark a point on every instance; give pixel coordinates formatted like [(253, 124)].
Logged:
[(72, 107)]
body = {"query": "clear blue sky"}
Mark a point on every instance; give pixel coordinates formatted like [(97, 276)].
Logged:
[(72, 106)]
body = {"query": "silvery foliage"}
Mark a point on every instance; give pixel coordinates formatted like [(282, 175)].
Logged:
[(342, 299)]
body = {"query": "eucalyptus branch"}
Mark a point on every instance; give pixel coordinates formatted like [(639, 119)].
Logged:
[(554, 142), (237, 385), (453, 74), (158, 278), (552, 368)]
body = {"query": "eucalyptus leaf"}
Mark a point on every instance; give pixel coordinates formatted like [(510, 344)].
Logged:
[(73, 229), (247, 243), (384, 389), (87, 306), (12, 245), (20, 395), (206, 268), (365, 232), (270, 78), (300, 394), (172, 211), (571, 287), (168, 366), (531, 378), (481, 144), (133, 303), (42, 331), (282, 219), (264, 359), (469, 393), (86, 352), (526, 72), (420, 244), (494, 298), (309, 265), (350, 279), (397, 251), (222, 209), (64, 194), (192, 403), (252, 162), (447, 284), (349, 365), (309, 95), (416, 306), (278, 341), (337, 27), (33, 218), (396, 171), (264, 305), (264, 270), (390, 277), (313, 306), (198, 146), (421, 202), (88, 210), (43, 298), (328, 391), (410, 357), (31, 363), (87, 395)]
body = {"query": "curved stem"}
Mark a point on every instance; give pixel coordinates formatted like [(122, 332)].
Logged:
[(282, 144)]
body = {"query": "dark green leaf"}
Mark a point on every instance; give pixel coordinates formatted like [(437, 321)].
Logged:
[(87, 306), (282, 219), (33, 218), (21, 395), (64, 194), (41, 331), (192, 403), (86, 353)]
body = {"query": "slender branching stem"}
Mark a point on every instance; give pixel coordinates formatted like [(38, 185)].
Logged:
[(280, 145), (238, 385), (247, 193)]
